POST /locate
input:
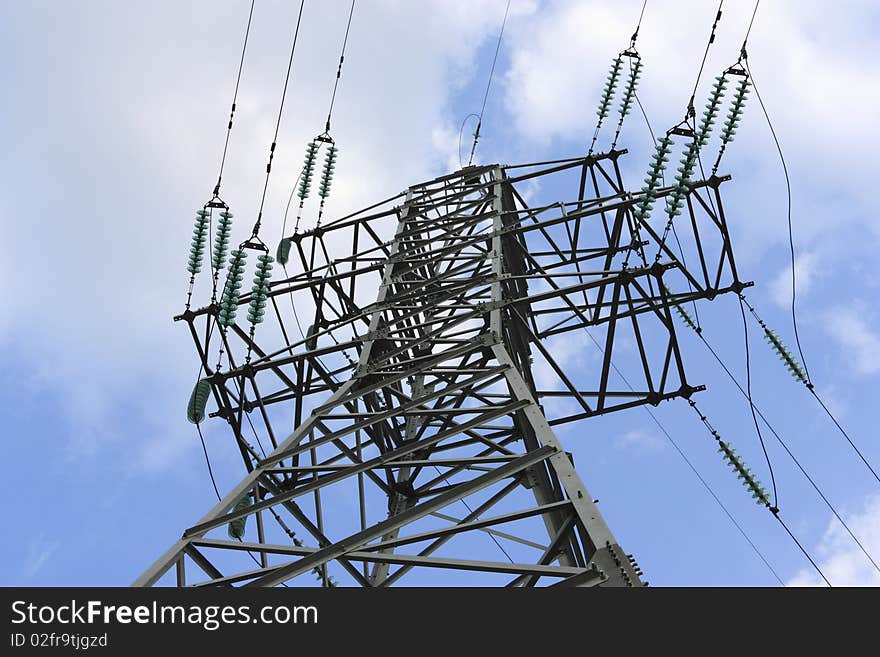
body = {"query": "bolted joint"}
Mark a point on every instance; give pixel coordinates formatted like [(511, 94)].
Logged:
[(687, 391)]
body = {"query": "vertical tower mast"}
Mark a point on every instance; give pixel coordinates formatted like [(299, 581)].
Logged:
[(432, 452)]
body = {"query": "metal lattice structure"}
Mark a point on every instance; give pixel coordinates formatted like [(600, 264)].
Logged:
[(409, 431)]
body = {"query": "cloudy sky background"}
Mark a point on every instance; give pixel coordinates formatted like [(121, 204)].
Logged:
[(114, 116)]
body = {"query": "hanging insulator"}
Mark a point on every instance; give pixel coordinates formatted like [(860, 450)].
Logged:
[(743, 473), (305, 181), (685, 316), (229, 299), (791, 363), (200, 238), (327, 171), (221, 239), (236, 527), (282, 253), (311, 339), (655, 176), (610, 86), (198, 400), (712, 108), (736, 111), (630, 91), (682, 178), (260, 290)]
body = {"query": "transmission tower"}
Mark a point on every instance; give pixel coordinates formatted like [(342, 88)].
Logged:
[(407, 425)]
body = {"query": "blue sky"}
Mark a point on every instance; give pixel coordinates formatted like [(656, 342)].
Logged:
[(114, 119)]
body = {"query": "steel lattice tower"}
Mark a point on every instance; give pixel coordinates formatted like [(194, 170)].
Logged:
[(447, 294)]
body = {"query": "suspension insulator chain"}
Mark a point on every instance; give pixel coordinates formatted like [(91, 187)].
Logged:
[(607, 96), (326, 178), (683, 176), (736, 111), (610, 88), (629, 94), (305, 182), (260, 290), (792, 364), (327, 171), (231, 291), (655, 177), (685, 316), (749, 480), (199, 240), (675, 202), (736, 463), (712, 108), (221, 241), (734, 116), (197, 249)]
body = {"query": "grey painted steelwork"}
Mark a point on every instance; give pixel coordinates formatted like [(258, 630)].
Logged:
[(439, 409)]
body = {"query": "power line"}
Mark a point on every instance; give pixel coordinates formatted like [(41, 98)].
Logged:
[(234, 98), (638, 25), (313, 147), (488, 85), (790, 228), (751, 483), (647, 121), (747, 395), (692, 467), (748, 367), (460, 133), (845, 435), (211, 473), (663, 177), (339, 68), (801, 547), (278, 121), (650, 413), (208, 462), (751, 22), (812, 390), (752, 404), (471, 511), (611, 84), (716, 498), (789, 452), (705, 55)]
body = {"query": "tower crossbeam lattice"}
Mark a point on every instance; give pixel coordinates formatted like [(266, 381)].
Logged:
[(412, 429)]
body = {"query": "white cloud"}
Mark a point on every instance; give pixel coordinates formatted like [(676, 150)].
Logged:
[(571, 351), (849, 327), (452, 145), (638, 440), (840, 559), (101, 214), (39, 551), (141, 139), (806, 270), (560, 60)]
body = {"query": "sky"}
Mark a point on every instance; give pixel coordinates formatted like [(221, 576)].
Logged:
[(114, 120)]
